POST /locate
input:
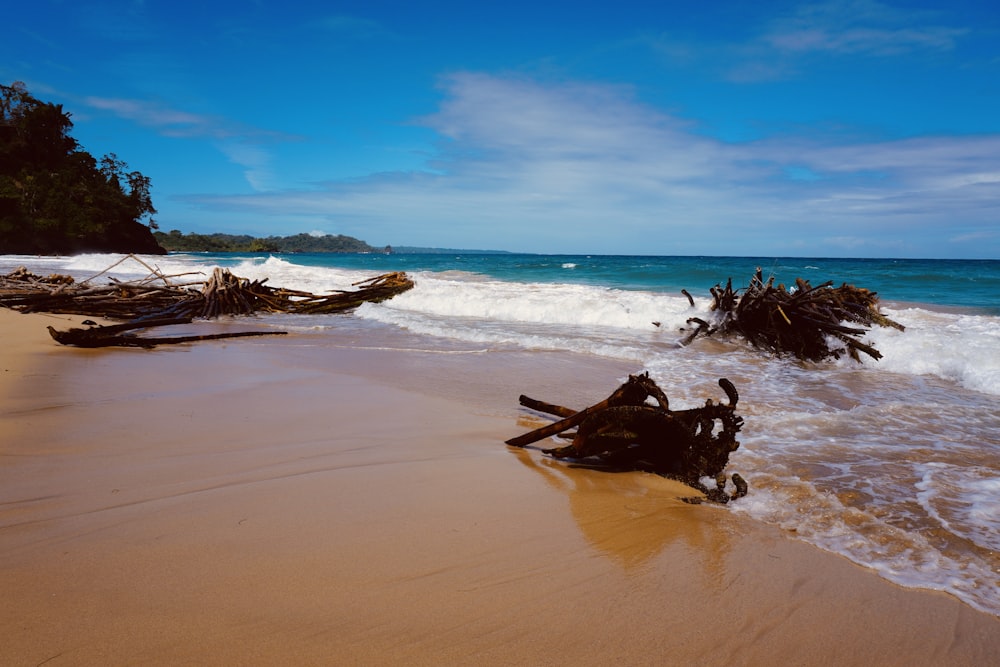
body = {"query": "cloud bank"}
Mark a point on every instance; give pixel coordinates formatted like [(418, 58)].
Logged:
[(573, 167)]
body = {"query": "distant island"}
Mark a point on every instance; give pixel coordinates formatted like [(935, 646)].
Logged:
[(175, 241), (414, 250)]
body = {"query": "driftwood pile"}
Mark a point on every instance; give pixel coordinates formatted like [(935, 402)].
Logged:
[(226, 294), (157, 301), (801, 322), (626, 432), (26, 292)]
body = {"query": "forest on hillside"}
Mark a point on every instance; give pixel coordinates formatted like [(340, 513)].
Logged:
[(175, 241)]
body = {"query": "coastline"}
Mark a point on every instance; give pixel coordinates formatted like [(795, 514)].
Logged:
[(268, 501)]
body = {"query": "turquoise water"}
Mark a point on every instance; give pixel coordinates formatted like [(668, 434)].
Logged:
[(961, 283)]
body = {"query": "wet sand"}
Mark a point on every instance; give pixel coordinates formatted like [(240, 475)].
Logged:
[(278, 501)]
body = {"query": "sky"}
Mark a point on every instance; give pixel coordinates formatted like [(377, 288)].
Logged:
[(847, 128)]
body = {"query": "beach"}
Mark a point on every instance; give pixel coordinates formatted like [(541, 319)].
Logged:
[(270, 501)]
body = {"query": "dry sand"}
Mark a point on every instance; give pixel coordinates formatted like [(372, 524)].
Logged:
[(272, 501)]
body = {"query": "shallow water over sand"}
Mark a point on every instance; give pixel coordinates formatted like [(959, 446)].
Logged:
[(897, 472)]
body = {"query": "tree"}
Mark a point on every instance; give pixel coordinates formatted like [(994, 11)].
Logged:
[(55, 198)]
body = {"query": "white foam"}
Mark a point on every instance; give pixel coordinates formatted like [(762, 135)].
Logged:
[(595, 320), (542, 303), (962, 348), (532, 336), (965, 500), (905, 557)]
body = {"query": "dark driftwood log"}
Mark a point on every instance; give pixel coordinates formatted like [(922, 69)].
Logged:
[(118, 335), (625, 431), (635, 391), (548, 408)]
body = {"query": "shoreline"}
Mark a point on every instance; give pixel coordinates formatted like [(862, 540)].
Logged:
[(887, 298), (266, 500)]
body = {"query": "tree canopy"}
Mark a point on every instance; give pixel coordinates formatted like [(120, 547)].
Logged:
[(56, 198)]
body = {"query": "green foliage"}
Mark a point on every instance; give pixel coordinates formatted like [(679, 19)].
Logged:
[(178, 242), (54, 197), (310, 243)]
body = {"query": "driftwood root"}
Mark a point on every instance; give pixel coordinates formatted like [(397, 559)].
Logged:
[(625, 431), (801, 322)]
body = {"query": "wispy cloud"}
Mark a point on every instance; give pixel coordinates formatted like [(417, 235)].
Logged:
[(578, 167), (787, 46), (860, 27), (169, 122), (256, 163), (990, 236), (242, 145)]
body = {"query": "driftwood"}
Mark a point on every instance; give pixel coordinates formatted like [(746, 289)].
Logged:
[(156, 301), (222, 294), (123, 335), (801, 322), (226, 294), (625, 432), (26, 292)]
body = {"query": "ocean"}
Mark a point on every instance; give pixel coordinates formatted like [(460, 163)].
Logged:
[(894, 464)]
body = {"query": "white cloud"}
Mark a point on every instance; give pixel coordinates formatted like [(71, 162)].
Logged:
[(242, 145), (586, 168), (860, 27), (255, 161), (787, 46), (991, 236), (169, 122)]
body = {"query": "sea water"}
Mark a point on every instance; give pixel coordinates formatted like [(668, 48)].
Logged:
[(893, 463)]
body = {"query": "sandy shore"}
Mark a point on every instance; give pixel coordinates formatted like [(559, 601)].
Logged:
[(273, 501)]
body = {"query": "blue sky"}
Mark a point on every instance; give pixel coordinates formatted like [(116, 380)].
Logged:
[(850, 128)]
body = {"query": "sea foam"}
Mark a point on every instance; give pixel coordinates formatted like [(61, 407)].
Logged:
[(957, 347)]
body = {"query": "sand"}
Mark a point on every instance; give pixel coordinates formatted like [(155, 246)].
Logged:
[(280, 501)]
